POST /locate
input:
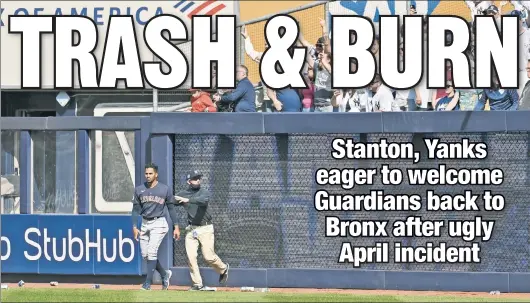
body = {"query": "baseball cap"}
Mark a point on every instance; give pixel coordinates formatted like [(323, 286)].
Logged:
[(194, 175), (515, 13), (492, 9)]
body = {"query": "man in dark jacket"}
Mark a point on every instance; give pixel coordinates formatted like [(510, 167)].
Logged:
[(200, 231), (244, 94)]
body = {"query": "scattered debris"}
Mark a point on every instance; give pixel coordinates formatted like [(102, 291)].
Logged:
[(247, 288), (4, 286), (20, 283), (96, 286), (54, 283), (495, 292)]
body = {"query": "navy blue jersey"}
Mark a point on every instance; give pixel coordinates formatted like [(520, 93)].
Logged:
[(499, 100), (152, 202), (442, 104)]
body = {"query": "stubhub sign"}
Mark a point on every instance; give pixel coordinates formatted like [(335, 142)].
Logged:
[(77, 244)]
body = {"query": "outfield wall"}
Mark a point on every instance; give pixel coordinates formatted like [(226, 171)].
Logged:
[(276, 250)]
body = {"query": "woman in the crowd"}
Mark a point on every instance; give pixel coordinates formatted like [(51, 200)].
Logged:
[(307, 94)]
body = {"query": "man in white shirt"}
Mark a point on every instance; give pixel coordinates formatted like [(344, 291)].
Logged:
[(381, 97), (478, 7)]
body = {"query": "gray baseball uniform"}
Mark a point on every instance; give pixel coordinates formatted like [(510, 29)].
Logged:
[(150, 203)]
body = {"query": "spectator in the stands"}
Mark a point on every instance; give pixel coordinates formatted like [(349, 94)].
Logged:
[(322, 75), (244, 95), (307, 94), (493, 10), (450, 101), (525, 94), (201, 102), (524, 49), (499, 99), (350, 100), (380, 98), (323, 44), (285, 100), (249, 48), (442, 92)]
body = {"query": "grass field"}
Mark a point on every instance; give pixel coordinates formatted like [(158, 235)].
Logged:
[(90, 295)]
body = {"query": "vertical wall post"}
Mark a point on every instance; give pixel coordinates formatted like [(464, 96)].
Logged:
[(26, 172), (65, 164), (142, 151), (83, 172), (162, 155)]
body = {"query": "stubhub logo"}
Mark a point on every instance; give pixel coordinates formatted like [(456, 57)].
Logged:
[(41, 244)]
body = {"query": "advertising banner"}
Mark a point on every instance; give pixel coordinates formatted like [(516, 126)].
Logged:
[(374, 9), (75, 245), (99, 11)]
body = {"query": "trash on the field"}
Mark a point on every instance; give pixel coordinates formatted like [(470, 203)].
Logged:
[(247, 288), (262, 290), (4, 286), (96, 286), (20, 283), (54, 283), (207, 288), (495, 292)]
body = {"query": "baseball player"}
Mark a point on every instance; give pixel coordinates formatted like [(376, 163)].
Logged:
[(478, 7), (150, 201), (200, 231), (523, 6)]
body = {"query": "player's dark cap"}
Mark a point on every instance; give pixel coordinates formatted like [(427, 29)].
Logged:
[(194, 175), (413, 6)]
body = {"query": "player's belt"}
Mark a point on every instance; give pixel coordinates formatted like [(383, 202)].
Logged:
[(151, 219), (202, 223)]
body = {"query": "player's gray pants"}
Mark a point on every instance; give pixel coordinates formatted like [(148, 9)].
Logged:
[(151, 235)]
